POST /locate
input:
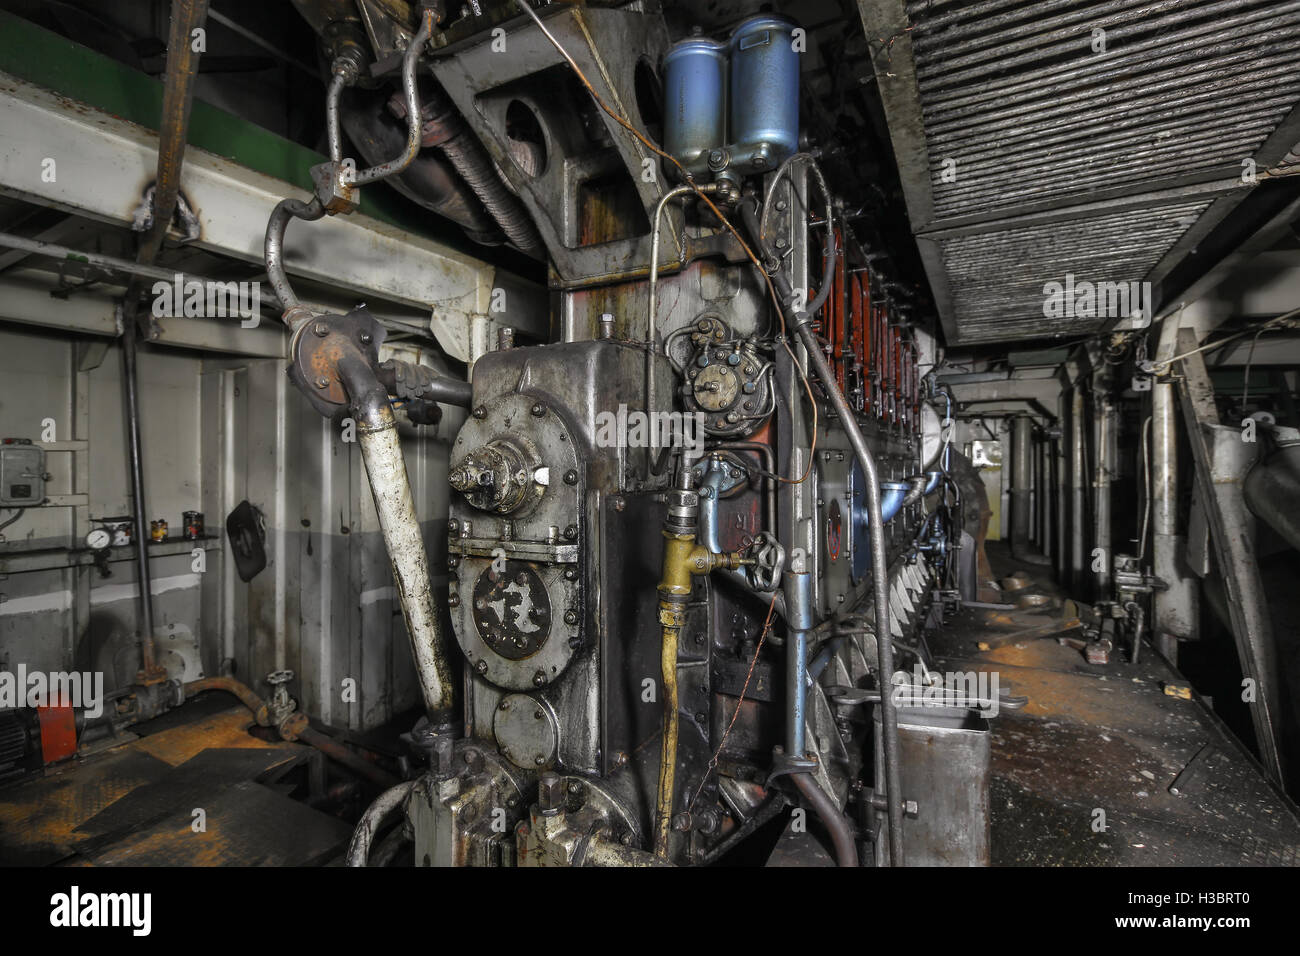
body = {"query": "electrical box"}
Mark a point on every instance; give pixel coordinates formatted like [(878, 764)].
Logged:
[(22, 473)]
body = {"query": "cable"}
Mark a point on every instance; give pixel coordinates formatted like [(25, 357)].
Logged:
[(12, 518), (1209, 346)]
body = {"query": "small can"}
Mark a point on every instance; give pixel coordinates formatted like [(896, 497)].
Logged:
[(193, 525), (158, 530)]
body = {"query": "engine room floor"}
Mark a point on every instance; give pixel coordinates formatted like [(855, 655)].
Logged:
[(133, 803), (1110, 744)]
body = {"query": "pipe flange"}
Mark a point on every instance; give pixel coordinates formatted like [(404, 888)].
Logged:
[(319, 346)]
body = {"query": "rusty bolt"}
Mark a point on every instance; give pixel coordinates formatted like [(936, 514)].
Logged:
[(570, 617), (321, 329), (539, 410), (322, 382), (480, 412), (570, 477)]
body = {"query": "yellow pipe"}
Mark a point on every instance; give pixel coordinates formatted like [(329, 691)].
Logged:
[(682, 559)]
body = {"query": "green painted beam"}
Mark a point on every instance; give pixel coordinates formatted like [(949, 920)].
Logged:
[(46, 59)]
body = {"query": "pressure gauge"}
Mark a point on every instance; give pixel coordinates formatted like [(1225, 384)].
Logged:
[(99, 539)]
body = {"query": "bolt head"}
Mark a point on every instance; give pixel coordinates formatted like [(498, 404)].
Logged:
[(322, 382), (480, 412), (570, 477), (481, 667), (539, 410)]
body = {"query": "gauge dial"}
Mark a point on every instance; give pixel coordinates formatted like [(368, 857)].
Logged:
[(99, 539)]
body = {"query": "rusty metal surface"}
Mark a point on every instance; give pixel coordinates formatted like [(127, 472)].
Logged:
[(247, 825), (192, 784), (41, 817), (38, 815)]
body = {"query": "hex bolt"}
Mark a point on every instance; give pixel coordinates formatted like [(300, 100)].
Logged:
[(481, 667), (570, 617), (453, 526), (550, 792), (321, 329), (570, 532), (322, 382), (539, 678), (480, 412)]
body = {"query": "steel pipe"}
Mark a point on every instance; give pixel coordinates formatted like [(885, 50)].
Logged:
[(381, 452), (384, 806)]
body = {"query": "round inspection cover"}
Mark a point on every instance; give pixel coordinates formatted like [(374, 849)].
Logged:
[(512, 609), (526, 731)]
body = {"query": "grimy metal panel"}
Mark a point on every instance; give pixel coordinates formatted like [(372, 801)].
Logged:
[(1121, 121)]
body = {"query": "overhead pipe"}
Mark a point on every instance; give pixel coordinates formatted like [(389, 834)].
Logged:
[(295, 314), (178, 96), (443, 127)]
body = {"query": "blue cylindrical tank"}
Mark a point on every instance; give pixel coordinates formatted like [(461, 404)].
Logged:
[(695, 101), (764, 93)]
